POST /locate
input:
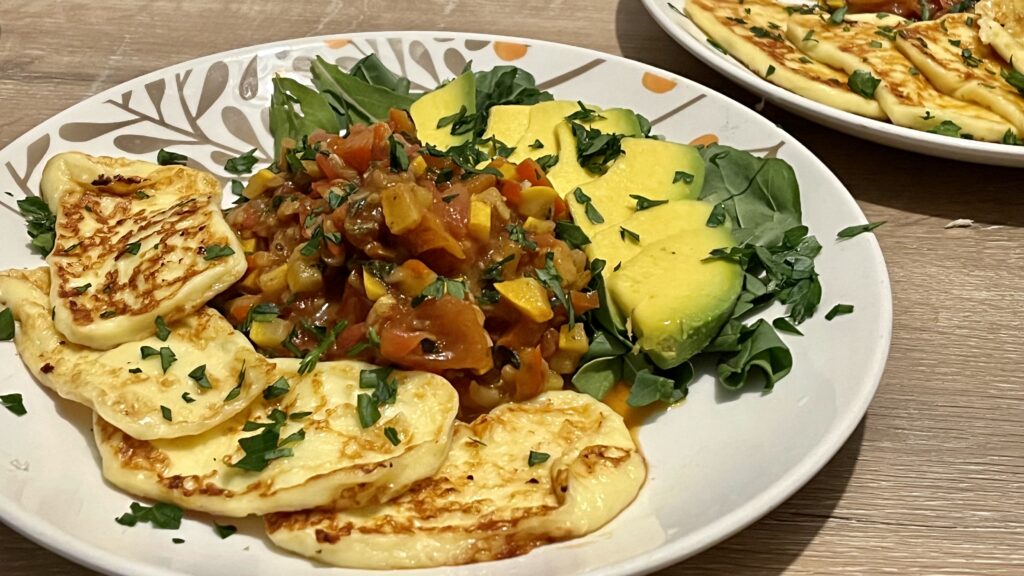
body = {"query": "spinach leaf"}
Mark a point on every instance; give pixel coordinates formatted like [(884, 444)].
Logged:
[(358, 100), (503, 85), (759, 349), (372, 71), (597, 377)]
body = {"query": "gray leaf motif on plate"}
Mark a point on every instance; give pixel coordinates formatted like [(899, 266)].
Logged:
[(455, 61), (213, 86), (249, 85), (34, 154), (142, 144), (236, 122), (156, 90), (86, 131)]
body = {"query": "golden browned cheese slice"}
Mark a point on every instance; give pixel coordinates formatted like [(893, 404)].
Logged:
[(949, 52), (134, 241), (127, 389), (753, 31), (333, 460), (904, 93), (1002, 27), (490, 499)]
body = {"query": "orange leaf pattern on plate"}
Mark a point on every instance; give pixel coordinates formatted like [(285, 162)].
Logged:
[(657, 84), (509, 51), (337, 43), (705, 140)]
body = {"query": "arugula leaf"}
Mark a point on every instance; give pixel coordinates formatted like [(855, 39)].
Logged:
[(297, 110), (160, 515), (40, 222), (851, 231), (168, 158), (356, 100), (549, 277), (372, 71), (14, 403), (759, 349), (241, 164)]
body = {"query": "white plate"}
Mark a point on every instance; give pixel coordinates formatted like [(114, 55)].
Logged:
[(691, 37), (718, 461)]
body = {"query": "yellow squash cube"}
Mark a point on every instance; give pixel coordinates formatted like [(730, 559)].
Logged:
[(528, 296), (375, 289), (573, 340), (538, 201), (479, 220)]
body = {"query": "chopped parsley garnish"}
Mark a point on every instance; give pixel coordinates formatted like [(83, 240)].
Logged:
[(969, 59), (439, 287), (263, 448), (312, 247), (839, 310), (237, 390), (784, 325), (141, 195), (1012, 77), (187, 398), (584, 114), (1010, 137), (685, 177), (851, 231), (14, 404), (106, 314), (133, 248), (82, 289), (178, 540), (215, 251), (547, 162), (595, 149), (717, 216), (41, 222), (838, 15), (241, 164), (296, 416), (760, 32), (399, 157), (551, 280), (392, 435), (809, 37), (494, 270), (279, 388), (768, 73), (385, 390), (313, 356), (571, 234), (168, 158), (461, 122), (224, 530), (537, 144), (714, 44), (160, 515), (947, 128), (536, 458), (627, 233), (875, 44), (645, 203), (135, 370), (198, 374), (262, 312), (518, 235), (162, 331), (863, 83), (165, 412), (588, 206)]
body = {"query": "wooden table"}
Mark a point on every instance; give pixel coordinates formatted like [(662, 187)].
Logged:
[(932, 481)]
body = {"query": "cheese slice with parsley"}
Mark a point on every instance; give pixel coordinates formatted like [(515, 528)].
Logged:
[(1002, 27), (950, 53), (134, 241), (556, 467), (753, 32), (868, 53), (142, 395), (300, 445)]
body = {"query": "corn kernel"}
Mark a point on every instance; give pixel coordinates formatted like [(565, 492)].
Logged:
[(479, 220), (528, 296)]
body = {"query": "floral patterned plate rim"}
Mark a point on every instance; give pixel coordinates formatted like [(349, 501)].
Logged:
[(717, 462), (689, 36)]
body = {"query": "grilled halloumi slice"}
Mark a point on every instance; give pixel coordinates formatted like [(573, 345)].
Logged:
[(949, 52), (134, 241), (1002, 27), (752, 31), (556, 467), (337, 462), (127, 389), (903, 92)]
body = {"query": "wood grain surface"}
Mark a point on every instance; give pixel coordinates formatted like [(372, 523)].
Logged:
[(932, 481)]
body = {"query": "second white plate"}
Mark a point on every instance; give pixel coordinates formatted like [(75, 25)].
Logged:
[(689, 36)]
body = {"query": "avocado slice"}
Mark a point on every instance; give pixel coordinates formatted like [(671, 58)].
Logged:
[(544, 118), (568, 173), (676, 300), (441, 102), (508, 122), (647, 168)]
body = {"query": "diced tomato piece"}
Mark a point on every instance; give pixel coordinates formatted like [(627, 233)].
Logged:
[(531, 374), (439, 334), (561, 211), (530, 171), (512, 191), (350, 336), (401, 122), (356, 149), (584, 301)]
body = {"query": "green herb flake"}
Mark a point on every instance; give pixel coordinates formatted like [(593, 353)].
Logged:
[(571, 234), (135, 370), (685, 177), (241, 164), (839, 310), (14, 403), (947, 128), (549, 277), (519, 235), (863, 83), (162, 331), (279, 388), (767, 74), (40, 223), (646, 203), (837, 17), (187, 398), (537, 144), (851, 231), (627, 233), (237, 390), (547, 162), (224, 530), (784, 325), (133, 248), (198, 374), (392, 435), (536, 458), (215, 251), (168, 158), (166, 413), (311, 358), (398, 156), (160, 515)]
